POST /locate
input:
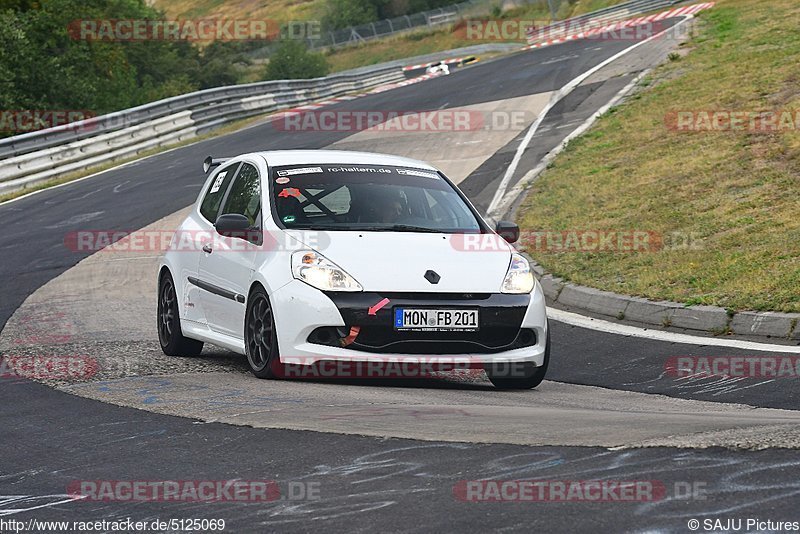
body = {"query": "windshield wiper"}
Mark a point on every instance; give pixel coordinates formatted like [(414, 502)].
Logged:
[(358, 228), (400, 228)]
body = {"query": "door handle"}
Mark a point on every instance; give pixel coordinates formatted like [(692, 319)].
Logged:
[(207, 248)]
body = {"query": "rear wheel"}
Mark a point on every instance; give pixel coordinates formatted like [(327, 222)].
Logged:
[(261, 340), (170, 336), (519, 375)]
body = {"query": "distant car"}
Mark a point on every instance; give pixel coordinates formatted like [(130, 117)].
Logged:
[(347, 256), (440, 67)]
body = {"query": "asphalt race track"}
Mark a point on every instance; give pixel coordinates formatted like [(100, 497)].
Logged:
[(391, 454)]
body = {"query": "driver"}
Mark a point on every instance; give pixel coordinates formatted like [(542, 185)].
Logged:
[(389, 207), (382, 206)]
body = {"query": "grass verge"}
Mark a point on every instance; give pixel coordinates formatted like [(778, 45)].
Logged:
[(732, 194)]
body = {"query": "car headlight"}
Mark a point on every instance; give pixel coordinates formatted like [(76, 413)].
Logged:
[(519, 278), (318, 271)]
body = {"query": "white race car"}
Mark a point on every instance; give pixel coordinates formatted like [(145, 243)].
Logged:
[(311, 256), (440, 67)]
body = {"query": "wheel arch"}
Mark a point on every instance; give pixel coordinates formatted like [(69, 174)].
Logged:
[(164, 269), (256, 284)]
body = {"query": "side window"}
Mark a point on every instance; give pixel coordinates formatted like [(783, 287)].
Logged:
[(210, 205), (244, 197)]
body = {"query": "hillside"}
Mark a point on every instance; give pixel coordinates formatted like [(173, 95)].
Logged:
[(279, 10)]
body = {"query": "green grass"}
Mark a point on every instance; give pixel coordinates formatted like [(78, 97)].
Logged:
[(404, 46), (734, 193), (587, 6), (276, 10)]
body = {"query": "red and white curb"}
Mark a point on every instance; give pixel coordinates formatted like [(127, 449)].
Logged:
[(445, 61), (677, 12)]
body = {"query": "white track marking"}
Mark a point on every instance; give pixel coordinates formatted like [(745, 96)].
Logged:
[(659, 335), (531, 175), (491, 212)]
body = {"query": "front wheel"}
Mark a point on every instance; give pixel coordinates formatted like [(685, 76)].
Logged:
[(170, 336), (519, 375), (260, 337)]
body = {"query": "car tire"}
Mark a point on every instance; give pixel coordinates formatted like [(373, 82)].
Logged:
[(170, 335), (508, 377), (260, 336)]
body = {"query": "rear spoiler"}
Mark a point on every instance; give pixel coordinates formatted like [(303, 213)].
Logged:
[(210, 162)]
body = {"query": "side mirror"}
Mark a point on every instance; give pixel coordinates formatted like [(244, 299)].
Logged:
[(233, 225), (508, 231)]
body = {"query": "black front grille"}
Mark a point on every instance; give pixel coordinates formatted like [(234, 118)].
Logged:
[(500, 324)]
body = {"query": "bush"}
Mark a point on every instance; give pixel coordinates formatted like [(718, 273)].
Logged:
[(345, 13), (292, 61)]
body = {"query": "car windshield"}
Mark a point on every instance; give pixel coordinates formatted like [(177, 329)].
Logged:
[(368, 197)]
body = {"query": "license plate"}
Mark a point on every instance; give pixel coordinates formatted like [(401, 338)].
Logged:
[(435, 319)]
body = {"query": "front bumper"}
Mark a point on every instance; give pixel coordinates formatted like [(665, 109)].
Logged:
[(513, 328)]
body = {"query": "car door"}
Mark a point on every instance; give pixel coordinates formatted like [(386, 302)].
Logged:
[(195, 233), (227, 265)]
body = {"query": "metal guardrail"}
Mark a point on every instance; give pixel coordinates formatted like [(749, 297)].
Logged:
[(45, 154)]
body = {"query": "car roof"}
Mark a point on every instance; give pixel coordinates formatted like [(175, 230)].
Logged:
[(276, 158)]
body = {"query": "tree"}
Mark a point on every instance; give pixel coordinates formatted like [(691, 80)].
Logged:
[(345, 13), (45, 66), (292, 61)]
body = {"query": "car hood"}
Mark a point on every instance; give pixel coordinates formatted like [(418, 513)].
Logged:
[(398, 261)]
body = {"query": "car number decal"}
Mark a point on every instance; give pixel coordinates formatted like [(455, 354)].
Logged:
[(218, 182)]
